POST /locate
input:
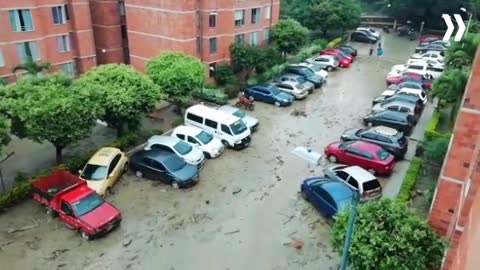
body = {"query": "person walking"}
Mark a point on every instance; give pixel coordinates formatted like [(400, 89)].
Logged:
[(379, 49), (371, 50)]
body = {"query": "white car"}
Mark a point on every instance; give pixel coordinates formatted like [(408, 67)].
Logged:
[(370, 31), (249, 121), (418, 66), (327, 62), (413, 92), (429, 56), (210, 146), (191, 155), (317, 68), (295, 89)]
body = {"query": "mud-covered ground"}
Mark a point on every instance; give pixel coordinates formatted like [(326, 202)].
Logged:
[(207, 226)]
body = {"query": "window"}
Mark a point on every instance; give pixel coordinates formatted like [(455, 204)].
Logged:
[(63, 43), (181, 136), (254, 38), (268, 12), (240, 39), (266, 33), (239, 18), (212, 19), (60, 14), (342, 175), (325, 196), (2, 60), (226, 130), (147, 161), (66, 209), (353, 182), (157, 165), (162, 147), (69, 69), (285, 86), (192, 140), (28, 50), (213, 45), (114, 163), (195, 118), (210, 123), (255, 15), (21, 20), (353, 151), (367, 155)]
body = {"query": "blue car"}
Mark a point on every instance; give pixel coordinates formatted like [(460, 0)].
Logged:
[(327, 195), (269, 94)]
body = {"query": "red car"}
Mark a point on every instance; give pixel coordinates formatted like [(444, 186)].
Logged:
[(342, 58), (371, 157), (410, 76), (429, 38)]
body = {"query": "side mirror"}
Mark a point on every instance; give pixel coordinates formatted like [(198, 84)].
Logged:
[(80, 172)]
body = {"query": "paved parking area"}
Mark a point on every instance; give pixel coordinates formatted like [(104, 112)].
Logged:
[(209, 227)]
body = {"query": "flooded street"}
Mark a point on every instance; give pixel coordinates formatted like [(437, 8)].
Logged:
[(244, 212)]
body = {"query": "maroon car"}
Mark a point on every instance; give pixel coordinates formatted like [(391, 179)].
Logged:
[(367, 155), (410, 76)]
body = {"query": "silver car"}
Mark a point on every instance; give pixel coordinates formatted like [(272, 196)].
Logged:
[(191, 155), (249, 121), (327, 62), (317, 68), (398, 106), (309, 86), (295, 89)]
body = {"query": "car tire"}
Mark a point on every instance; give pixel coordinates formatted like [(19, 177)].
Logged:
[(369, 124), (175, 185), (207, 155), (138, 174), (332, 158), (277, 104), (304, 195), (225, 143), (329, 68), (372, 171), (85, 235), (50, 212)]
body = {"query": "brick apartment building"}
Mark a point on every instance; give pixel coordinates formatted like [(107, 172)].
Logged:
[(75, 35), (54, 31), (455, 211)]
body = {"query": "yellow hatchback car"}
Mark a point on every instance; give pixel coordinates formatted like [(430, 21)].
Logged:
[(104, 169)]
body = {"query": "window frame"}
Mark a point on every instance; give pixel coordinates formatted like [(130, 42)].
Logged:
[(64, 43), (239, 39), (195, 118), (255, 15), (252, 34), (16, 26), (71, 67), (224, 128), (212, 19), (209, 123), (2, 58), (62, 13), (241, 22), (266, 33), (268, 12), (25, 44), (213, 45)]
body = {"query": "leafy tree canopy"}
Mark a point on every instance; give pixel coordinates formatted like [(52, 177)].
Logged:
[(332, 14), (124, 94), (451, 85), (177, 74), (31, 67), (4, 132), (389, 236), (50, 109), (245, 58), (289, 36)]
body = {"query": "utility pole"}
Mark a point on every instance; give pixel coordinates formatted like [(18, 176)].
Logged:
[(350, 230)]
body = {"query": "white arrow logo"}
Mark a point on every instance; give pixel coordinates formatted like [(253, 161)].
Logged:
[(451, 27)]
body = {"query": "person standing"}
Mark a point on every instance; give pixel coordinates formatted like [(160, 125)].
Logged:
[(379, 49), (371, 50)]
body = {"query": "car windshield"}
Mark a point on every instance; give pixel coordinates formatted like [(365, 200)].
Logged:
[(309, 72), (174, 164), (204, 137), (301, 80), (94, 172), (274, 90), (182, 147), (383, 155), (316, 67), (372, 184), (239, 113), (299, 86), (87, 204), (360, 131), (238, 127)]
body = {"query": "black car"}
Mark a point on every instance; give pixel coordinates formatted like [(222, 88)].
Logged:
[(361, 36), (307, 73), (348, 50), (398, 120), (390, 139), (164, 166)]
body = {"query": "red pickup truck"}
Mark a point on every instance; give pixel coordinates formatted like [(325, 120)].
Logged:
[(78, 206)]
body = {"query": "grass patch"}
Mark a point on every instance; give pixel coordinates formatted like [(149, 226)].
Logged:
[(425, 187)]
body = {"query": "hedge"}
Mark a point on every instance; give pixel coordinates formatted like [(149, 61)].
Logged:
[(211, 95), (431, 129), (410, 180), (334, 43), (22, 190)]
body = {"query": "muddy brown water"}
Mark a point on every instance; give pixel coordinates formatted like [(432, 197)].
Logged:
[(208, 227)]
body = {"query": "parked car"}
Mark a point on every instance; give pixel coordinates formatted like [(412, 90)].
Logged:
[(383, 96), (397, 106), (297, 79), (357, 179), (77, 205), (370, 31), (166, 167), (446, 44), (343, 61), (104, 169), (191, 155), (210, 146), (361, 36), (295, 89), (418, 66), (429, 56), (328, 196), (317, 68), (348, 50), (427, 38), (407, 84), (306, 72), (250, 121), (228, 128), (431, 47), (344, 55), (369, 156), (269, 94), (421, 94), (390, 139), (427, 83), (416, 101), (397, 120), (327, 62)]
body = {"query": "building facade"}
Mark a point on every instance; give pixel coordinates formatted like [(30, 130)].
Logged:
[(54, 31), (455, 211)]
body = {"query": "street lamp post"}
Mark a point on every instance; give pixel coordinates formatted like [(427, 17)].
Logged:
[(469, 18), (350, 230)]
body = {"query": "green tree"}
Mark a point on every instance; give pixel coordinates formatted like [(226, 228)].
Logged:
[(289, 36), (124, 94), (436, 150), (177, 74), (246, 58), (3, 82), (32, 68), (4, 134), (332, 14), (49, 110), (461, 54), (451, 85), (389, 236)]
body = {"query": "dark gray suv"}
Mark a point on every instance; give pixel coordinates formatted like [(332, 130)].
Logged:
[(390, 139)]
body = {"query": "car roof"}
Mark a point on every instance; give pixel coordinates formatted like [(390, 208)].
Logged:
[(395, 113), (291, 75), (326, 56), (359, 173), (163, 139), (410, 90), (287, 82), (366, 146), (385, 130), (401, 103), (157, 154), (213, 114), (188, 130), (228, 109), (338, 190), (103, 156), (388, 93)]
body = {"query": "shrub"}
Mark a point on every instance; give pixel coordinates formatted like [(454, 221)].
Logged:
[(224, 74), (431, 129), (232, 90), (436, 149), (211, 95), (20, 177), (335, 42), (410, 180), (177, 122)]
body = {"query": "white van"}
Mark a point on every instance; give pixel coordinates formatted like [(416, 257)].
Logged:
[(229, 129), (414, 92)]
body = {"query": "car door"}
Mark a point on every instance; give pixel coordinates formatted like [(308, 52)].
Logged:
[(285, 88), (352, 182), (67, 215), (256, 94), (160, 173), (367, 160), (341, 176), (323, 201), (260, 95), (269, 96), (193, 141), (146, 167), (113, 170)]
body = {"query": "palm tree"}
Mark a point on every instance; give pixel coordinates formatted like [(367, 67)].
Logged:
[(31, 67)]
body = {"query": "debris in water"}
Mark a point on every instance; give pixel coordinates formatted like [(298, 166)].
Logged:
[(207, 201), (127, 243), (236, 190), (232, 232), (296, 112)]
